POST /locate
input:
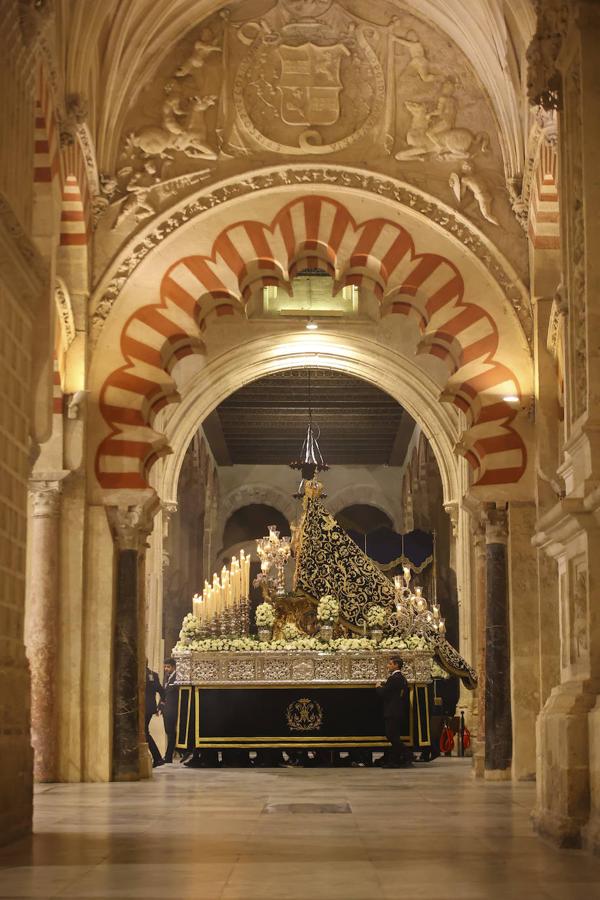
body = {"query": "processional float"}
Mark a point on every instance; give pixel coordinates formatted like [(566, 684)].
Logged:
[(306, 678)]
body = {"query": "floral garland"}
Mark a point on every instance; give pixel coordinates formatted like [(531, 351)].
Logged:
[(303, 642), (328, 609), (414, 642), (376, 616), (265, 615)]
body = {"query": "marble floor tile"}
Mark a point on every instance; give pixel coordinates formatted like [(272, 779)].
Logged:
[(204, 834)]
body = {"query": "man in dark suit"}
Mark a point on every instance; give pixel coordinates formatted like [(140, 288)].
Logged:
[(394, 693), (153, 687), (169, 707)]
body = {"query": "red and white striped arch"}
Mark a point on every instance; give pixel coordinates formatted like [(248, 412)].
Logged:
[(310, 231), (64, 167), (544, 224)]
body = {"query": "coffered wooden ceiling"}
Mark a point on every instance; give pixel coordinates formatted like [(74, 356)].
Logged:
[(265, 421)]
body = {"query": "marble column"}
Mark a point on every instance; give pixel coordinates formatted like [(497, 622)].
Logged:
[(42, 624), (130, 526), (479, 547), (498, 716)]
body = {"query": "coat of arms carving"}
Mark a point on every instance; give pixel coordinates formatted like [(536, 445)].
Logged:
[(310, 84)]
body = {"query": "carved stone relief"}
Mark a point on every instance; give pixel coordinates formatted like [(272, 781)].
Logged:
[(578, 633), (543, 78), (315, 175), (576, 240), (308, 78)]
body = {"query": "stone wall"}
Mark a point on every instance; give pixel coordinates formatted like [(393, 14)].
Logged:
[(15, 749)]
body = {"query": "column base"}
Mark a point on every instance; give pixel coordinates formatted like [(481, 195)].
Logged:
[(497, 774), (591, 835), (479, 760), (563, 831), (563, 763), (145, 761)]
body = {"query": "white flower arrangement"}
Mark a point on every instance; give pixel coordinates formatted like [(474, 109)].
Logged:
[(290, 631), (328, 609), (414, 642), (376, 616), (190, 629), (265, 615), (346, 644)]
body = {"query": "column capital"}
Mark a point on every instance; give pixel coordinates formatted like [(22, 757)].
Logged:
[(495, 520), (45, 496), (453, 510), (131, 523)]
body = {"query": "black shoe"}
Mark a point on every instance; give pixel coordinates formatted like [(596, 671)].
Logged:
[(158, 762)]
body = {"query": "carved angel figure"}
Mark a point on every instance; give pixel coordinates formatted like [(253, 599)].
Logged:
[(470, 180), (197, 58), (418, 60)]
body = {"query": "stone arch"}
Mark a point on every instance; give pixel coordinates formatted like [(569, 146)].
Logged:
[(342, 352), (375, 253), (367, 495), (255, 493)]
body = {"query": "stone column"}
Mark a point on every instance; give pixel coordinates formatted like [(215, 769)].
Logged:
[(42, 624), (480, 565), (498, 716), (130, 527)]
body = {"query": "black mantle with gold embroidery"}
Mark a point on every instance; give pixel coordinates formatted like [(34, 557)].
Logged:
[(329, 562)]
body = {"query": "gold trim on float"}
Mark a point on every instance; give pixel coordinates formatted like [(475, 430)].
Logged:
[(187, 726), (287, 686), (327, 745), (288, 740)]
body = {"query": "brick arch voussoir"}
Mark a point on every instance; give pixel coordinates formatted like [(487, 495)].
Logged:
[(378, 254)]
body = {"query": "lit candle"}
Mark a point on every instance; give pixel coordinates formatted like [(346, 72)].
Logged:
[(197, 606), (436, 611), (398, 582)]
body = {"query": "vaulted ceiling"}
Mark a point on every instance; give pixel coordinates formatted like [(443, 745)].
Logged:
[(265, 421)]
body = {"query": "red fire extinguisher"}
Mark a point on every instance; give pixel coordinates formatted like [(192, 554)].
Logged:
[(447, 739)]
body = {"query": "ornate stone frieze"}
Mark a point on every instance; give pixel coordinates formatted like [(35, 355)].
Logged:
[(35, 16), (576, 281), (544, 86), (453, 223), (65, 311)]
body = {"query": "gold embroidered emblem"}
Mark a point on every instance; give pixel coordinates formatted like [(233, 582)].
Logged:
[(304, 715)]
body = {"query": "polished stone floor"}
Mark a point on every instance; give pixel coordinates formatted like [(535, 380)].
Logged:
[(429, 833)]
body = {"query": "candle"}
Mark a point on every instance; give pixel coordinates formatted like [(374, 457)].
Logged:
[(398, 582), (197, 606), (436, 611), (442, 626)]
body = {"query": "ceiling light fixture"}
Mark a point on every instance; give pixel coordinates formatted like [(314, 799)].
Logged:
[(311, 325), (511, 399), (311, 459)]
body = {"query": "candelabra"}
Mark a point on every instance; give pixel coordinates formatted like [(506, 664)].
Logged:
[(413, 615), (274, 550)]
